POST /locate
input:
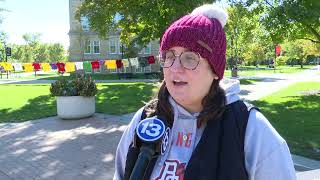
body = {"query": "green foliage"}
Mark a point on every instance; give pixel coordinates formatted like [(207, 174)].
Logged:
[(80, 86), (254, 53), (38, 52), (246, 37), (56, 52), (300, 50), (290, 19), (41, 53), (141, 21), (281, 60)]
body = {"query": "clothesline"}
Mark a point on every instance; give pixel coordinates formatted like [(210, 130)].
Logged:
[(87, 66)]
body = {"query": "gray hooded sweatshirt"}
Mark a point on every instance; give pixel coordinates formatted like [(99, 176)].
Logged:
[(267, 156)]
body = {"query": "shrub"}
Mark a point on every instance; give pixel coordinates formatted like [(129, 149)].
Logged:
[(80, 86)]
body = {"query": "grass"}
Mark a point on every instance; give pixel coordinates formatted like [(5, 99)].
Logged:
[(251, 71), (295, 113), (249, 81), (26, 102)]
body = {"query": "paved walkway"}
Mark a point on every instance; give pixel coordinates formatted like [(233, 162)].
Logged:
[(57, 149), (84, 149)]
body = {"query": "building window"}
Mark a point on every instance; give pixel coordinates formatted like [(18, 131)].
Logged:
[(87, 47), (112, 46), (147, 49), (96, 47), (84, 21)]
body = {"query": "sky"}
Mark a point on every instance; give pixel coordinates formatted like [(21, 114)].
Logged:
[(50, 18)]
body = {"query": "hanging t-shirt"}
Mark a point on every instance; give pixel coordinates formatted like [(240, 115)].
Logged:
[(87, 66), (36, 66), (101, 62), (151, 60), (134, 62), (95, 65), (119, 64), (17, 66), (53, 66), (61, 67), (27, 67), (111, 64), (7, 66), (46, 67), (70, 67), (79, 65), (125, 63)]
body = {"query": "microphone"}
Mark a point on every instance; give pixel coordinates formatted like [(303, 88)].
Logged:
[(150, 131)]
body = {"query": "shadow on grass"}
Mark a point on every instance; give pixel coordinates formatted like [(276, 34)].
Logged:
[(123, 98), (297, 120), (39, 107), (249, 81)]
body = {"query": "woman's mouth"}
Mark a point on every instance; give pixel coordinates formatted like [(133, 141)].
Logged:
[(179, 83)]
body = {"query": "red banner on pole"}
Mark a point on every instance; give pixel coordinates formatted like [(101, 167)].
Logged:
[(278, 50)]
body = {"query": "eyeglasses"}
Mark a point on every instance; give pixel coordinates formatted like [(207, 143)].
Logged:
[(188, 59)]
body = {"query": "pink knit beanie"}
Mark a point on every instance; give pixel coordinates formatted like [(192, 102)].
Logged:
[(202, 32)]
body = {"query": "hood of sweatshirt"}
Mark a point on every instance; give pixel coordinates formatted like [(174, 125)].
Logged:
[(231, 88)]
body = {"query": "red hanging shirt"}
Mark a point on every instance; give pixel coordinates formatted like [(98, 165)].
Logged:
[(36, 66), (95, 65), (151, 60), (119, 64), (61, 66)]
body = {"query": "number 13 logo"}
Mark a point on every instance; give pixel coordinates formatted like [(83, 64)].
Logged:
[(150, 129)]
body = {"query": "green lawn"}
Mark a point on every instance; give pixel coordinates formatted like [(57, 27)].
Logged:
[(27, 102), (251, 71), (295, 113)]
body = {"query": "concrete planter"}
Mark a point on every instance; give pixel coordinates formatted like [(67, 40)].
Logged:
[(75, 107)]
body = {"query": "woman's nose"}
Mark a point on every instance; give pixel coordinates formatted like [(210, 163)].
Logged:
[(177, 66)]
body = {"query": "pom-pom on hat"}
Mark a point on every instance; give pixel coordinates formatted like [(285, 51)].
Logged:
[(202, 32)]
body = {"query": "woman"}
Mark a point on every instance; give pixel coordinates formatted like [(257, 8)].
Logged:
[(213, 135)]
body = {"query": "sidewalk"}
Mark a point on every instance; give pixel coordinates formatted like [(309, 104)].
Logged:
[(84, 149), (52, 148)]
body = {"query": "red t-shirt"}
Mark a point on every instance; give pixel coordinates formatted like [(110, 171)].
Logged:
[(119, 64), (36, 66), (151, 60), (95, 65), (61, 66)]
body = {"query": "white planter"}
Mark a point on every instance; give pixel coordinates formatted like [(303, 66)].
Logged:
[(75, 107)]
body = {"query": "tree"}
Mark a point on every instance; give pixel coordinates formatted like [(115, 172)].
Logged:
[(139, 21), (56, 53), (18, 52), (246, 37), (255, 52), (300, 50), (31, 38), (32, 44), (290, 19), (42, 53), (3, 40)]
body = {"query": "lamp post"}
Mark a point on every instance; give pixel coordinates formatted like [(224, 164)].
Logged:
[(6, 53)]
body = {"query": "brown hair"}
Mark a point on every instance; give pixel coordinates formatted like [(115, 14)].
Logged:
[(213, 105)]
